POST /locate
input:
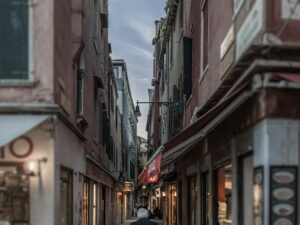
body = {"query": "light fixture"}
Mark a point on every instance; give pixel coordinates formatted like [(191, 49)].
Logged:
[(138, 111), (33, 167), (119, 193), (163, 194), (175, 193), (144, 187)]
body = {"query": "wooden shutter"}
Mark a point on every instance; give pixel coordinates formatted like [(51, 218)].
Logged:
[(14, 39)]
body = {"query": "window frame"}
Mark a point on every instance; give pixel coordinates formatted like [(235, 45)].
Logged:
[(203, 68), (29, 81)]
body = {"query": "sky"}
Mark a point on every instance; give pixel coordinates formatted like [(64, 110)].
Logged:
[(131, 30)]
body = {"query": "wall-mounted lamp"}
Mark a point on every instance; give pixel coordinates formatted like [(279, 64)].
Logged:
[(33, 167), (163, 194)]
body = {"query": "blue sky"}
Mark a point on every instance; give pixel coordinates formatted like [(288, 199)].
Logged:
[(131, 30)]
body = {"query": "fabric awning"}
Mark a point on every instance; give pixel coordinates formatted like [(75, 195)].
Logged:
[(186, 139), (14, 126), (293, 77), (152, 168)]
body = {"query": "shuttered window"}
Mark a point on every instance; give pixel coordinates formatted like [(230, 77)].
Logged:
[(14, 27)]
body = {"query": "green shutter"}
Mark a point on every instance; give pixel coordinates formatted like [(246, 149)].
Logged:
[(14, 31)]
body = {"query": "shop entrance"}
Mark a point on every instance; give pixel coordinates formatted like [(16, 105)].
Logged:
[(14, 195)]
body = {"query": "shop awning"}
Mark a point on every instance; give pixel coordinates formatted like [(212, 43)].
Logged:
[(152, 168), (186, 139), (14, 126), (293, 77)]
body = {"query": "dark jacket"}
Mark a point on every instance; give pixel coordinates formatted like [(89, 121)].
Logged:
[(144, 222)]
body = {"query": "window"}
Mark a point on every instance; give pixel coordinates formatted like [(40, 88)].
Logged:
[(95, 203), (192, 200), (14, 195), (132, 170), (66, 190), (224, 192), (80, 86), (204, 37), (96, 113), (14, 39), (173, 204), (86, 200), (205, 199), (246, 190), (116, 72), (103, 208)]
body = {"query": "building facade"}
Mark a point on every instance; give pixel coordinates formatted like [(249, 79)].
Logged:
[(236, 160), (56, 164), (129, 134)]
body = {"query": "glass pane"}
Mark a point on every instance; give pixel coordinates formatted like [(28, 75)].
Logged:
[(205, 201), (14, 39), (248, 190), (85, 211), (65, 197), (192, 201), (224, 195), (14, 195)]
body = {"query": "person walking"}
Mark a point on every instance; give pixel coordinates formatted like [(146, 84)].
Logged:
[(143, 218)]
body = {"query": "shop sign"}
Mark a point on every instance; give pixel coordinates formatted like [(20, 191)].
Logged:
[(128, 186), (258, 182), (18, 149), (227, 42), (290, 9), (283, 195), (154, 170), (252, 26)]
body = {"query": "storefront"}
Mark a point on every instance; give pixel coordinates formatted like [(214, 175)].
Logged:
[(243, 169), (36, 171)]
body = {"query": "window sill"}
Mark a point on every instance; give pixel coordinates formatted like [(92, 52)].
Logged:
[(18, 83)]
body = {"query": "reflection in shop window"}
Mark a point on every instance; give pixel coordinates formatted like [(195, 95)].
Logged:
[(205, 199), (66, 190), (14, 195), (224, 192), (192, 198), (86, 199)]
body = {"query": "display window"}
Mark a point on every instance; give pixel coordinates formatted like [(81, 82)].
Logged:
[(192, 200), (224, 195), (173, 204), (14, 195), (86, 199), (205, 199), (66, 192)]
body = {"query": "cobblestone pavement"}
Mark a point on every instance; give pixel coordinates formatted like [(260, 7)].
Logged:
[(134, 219)]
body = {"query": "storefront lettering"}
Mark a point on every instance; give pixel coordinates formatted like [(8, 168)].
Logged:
[(14, 151)]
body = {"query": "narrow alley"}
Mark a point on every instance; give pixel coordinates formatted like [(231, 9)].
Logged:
[(149, 112)]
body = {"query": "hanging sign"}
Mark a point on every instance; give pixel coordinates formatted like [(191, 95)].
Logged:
[(154, 170)]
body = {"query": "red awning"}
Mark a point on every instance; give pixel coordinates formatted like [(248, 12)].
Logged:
[(143, 177), (289, 77), (151, 171)]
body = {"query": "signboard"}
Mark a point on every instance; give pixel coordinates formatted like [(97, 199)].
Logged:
[(128, 186), (154, 170), (283, 195), (258, 201), (290, 9), (251, 27)]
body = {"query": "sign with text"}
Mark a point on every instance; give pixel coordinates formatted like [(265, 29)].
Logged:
[(251, 27), (290, 9)]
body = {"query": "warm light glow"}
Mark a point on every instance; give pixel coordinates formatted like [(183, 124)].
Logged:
[(32, 168), (175, 194), (164, 194), (144, 187)]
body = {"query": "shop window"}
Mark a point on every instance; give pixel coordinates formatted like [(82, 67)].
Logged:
[(173, 205), (192, 200), (14, 23), (246, 190), (204, 37), (80, 86), (103, 206), (205, 199), (95, 204), (14, 195), (86, 200), (224, 192), (66, 190)]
